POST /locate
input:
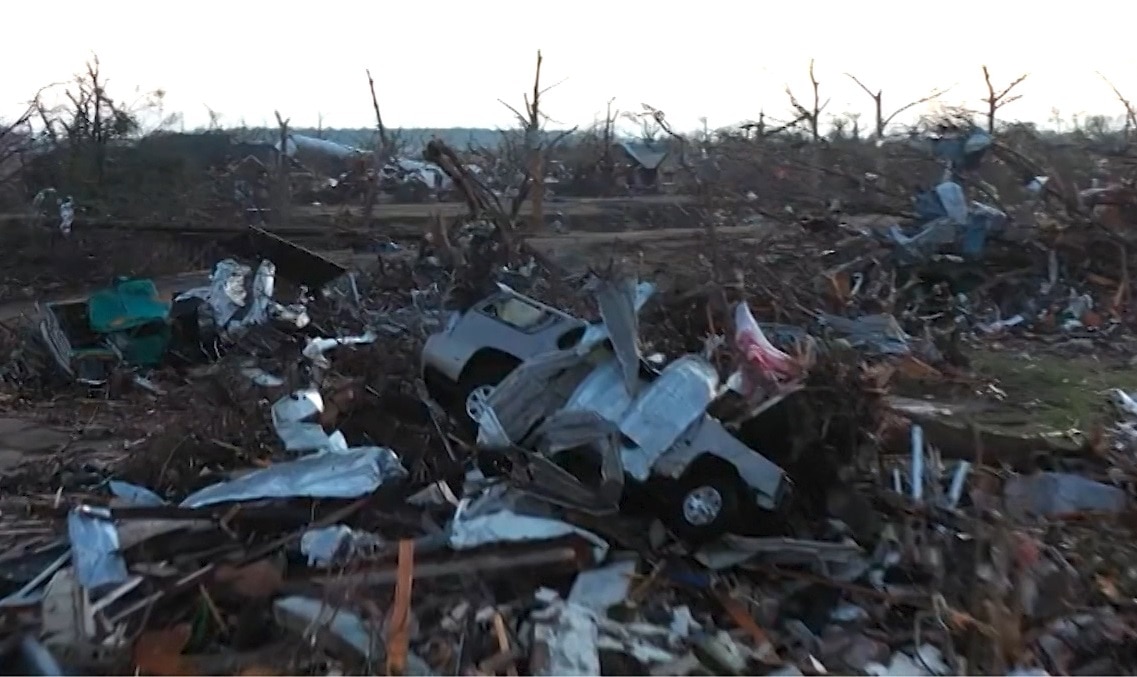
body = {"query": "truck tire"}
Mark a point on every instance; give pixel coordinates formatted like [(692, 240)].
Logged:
[(705, 503)]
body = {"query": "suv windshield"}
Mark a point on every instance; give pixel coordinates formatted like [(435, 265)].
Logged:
[(517, 313)]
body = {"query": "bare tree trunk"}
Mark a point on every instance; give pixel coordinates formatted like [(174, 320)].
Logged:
[(607, 162), (533, 187), (811, 116), (381, 157), (282, 193), (995, 101), (533, 146), (98, 124), (815, 129)]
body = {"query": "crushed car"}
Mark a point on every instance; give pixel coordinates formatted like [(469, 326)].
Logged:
[(572, 411)]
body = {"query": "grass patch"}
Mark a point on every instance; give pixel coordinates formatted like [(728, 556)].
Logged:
[(1047, 391)]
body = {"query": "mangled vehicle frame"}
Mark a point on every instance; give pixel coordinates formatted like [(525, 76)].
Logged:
[(556, 399)]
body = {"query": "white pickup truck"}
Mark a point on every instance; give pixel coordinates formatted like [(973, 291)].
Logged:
[(537, 381)]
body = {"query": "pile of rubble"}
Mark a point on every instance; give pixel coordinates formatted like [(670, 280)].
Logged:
[(420, 469)]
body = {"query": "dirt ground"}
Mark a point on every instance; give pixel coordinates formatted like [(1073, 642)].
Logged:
[(37, 261), (578, 213), (577, 206)]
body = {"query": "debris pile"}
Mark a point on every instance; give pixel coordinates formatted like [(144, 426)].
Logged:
[(293, 468)]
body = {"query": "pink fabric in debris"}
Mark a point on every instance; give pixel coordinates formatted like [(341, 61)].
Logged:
[(763, 361)]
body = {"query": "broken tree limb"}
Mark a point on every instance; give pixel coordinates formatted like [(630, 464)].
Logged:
[(484, 204)]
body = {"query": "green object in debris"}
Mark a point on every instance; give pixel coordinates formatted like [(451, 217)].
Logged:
[(133, 317), (128, 304)]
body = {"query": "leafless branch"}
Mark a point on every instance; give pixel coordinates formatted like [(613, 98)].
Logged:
[(935, 94), (881, 120), (521, 118), (14, 140), (995, 101), (1130, 114), (772, 131)]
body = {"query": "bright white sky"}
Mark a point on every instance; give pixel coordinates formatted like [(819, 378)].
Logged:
[(443, 63)]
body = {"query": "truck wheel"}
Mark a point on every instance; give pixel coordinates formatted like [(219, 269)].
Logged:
[(477, 400), (705, 503), (475, 387)]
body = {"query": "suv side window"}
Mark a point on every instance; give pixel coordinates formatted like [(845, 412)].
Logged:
[(516, 313)]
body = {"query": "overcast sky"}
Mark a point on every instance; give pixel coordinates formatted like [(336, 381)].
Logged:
[(447, 62)]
